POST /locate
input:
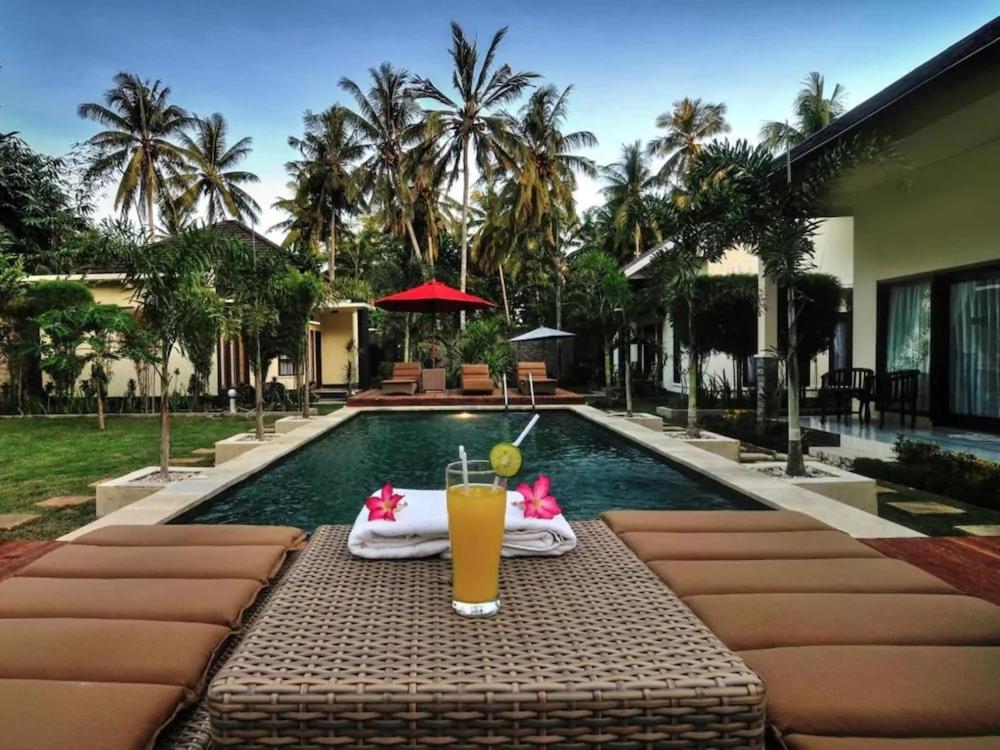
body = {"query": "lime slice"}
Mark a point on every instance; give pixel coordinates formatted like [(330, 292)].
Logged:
[(505, 458)]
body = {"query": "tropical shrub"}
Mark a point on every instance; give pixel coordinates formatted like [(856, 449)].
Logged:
[(486, 341)]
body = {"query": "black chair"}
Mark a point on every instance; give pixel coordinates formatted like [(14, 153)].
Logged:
[(898, 391), (842, 386)]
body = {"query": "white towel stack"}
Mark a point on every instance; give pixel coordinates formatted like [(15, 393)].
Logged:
[(421, 530)]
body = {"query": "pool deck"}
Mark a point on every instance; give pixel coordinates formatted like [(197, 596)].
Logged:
[(455, 397)]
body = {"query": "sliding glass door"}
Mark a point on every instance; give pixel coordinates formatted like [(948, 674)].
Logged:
[(974, 347), (908, 333)]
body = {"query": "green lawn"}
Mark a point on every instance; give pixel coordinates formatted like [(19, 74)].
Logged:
[(44, 457)]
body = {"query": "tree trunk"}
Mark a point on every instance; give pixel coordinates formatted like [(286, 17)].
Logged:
[(165, 417), (331, 248), (100, 409), (304, 376), (406, 338), (638, 241), (796, 465), (413, 239), (607, 370), (692, 372), (150, 220), (465, 225), (627, 364), (258, 375), (503, 293)]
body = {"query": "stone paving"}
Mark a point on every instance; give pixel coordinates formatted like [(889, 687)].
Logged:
[(12, 521), (65, 501)]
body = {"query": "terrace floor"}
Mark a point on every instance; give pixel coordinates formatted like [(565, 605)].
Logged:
[(872, 441), (455, 397)]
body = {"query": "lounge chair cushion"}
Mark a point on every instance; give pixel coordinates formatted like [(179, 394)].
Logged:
[(851, 575), (622, 521), (157, 653), (744, 545), (756, 621), (213, 535), (256, 562), (812, 742), (881, 691), (53, 715), (407, 371), (215, 601)]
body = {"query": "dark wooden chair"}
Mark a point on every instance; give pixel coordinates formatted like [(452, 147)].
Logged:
[(898, 391), (840, 387)]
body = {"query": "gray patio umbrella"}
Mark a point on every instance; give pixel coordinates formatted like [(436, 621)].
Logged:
[(546, 334)]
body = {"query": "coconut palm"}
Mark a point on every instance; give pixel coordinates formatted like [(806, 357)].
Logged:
[(544, 173), (688, 126), (471, 121), (210, 173), (493, 242), (325, 177), (813, 112), (137, 146), (389, 124), (633, 220)]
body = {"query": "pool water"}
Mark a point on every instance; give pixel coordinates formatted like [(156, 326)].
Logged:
[(591, 468)]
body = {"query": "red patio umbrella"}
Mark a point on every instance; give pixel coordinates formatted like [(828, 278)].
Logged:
[(432, 297)]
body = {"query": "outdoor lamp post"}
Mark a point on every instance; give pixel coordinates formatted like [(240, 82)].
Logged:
[(232, 400), (627, 361)]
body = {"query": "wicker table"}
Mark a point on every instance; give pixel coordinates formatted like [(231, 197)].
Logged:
[(591, 649)]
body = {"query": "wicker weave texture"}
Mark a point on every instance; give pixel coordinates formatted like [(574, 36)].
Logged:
[(591, 649)]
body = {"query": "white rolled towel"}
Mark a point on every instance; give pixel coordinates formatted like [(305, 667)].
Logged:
[(421, 530)]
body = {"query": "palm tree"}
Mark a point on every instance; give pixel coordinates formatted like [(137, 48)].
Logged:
[(469, 121), (493, 242), (211, 173), (137, 144), (389, 125), (626, 192), (545, 172), (325, 179), (813, 112), (689, 125)]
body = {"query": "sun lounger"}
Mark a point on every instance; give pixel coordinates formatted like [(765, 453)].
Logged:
[(812, 742), (860, 575), (476, 379), (622, 521), (744, 545), (197, 534), (50, 714), (405, 379), (134, 651), (756, 621), (543, 384), (216, 601), (257, 563)]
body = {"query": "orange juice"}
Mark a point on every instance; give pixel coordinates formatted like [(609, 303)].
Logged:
[(475, 524)]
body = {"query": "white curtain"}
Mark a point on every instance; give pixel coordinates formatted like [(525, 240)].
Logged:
[(908, 344), (974, 356)]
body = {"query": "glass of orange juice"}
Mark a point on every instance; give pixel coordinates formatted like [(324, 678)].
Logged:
[(477, 505)]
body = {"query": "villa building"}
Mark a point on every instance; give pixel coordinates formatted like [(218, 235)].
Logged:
[(338, 334), (922, 260)]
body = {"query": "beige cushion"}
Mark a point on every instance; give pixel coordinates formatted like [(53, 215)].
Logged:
[(881, 691), (858, 575), (213, 601), (811, 742), (622, 521), (212, 535), (156, 653), (406, 371), (56, 715), (755, 621), (745, 545), (258, 562)]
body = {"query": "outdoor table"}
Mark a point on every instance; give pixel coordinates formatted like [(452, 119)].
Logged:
[(590, 649), (433, 378)]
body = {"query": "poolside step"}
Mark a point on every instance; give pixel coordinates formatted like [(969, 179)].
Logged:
[(12, 521), (59, 502)]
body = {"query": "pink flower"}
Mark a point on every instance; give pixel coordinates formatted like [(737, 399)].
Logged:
[(538, 503), (383, 507)]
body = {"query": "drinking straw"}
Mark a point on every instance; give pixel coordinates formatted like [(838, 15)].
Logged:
[(465, 465), (525, 431)]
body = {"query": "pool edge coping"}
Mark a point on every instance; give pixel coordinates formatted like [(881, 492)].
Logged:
[(177, 499)]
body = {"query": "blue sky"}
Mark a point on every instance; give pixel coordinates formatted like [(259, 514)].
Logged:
[(262, 63)]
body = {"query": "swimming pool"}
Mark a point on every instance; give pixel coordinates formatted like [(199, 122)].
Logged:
[(592, 469)]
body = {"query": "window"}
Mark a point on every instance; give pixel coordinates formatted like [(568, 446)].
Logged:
[(285, 366), (908, 333), (974, 347)]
